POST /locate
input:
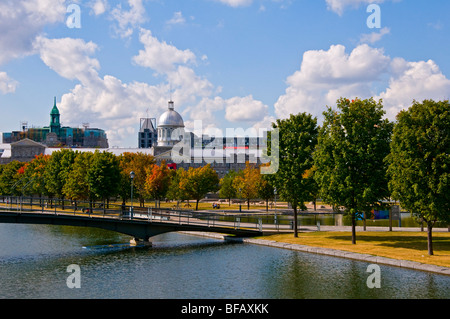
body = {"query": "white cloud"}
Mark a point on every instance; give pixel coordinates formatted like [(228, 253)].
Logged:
[(413, 81), (7, 85), (366, 72), (374, 36), (245, 109), (128, 20), (177, 18), (160, 56), (339, 6), (22, 21), (99, 6), (69, 57), (237, 3)]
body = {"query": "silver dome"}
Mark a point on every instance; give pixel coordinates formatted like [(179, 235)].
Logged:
[(171, 118)]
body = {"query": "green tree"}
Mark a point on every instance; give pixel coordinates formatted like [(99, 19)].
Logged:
[(419, 162), (77, 185), (297, 141), (34, 181), (197, 182), (226, 186), (11, 178), (352, 145), (103, 175), (57, 170), (265, 189), (175, 192)]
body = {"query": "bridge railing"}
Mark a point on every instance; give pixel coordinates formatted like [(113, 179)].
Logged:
[(233, 220)]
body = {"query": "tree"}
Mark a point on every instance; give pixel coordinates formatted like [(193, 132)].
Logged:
[(157, 181), (103, 175), (77, 185), (197, 182), (419, 162), (57, 171), (175, 192), (11, 178), (265, 189), (226, 186), (297, 141), (246, 183), (34, 181), (352, 145), (138, 163)]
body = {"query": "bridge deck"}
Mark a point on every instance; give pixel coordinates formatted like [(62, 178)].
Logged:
[(141, 224)]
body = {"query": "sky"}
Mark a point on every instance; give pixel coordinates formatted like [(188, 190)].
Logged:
[(228, 65)]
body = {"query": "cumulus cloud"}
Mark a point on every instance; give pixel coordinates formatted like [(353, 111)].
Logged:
[(413, 81), (128, 20), (160, 56), (22, 21), (244, 109), (374, 36), (325, 76), (7, 85)]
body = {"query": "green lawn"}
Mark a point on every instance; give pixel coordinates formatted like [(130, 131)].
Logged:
[(398, 245)]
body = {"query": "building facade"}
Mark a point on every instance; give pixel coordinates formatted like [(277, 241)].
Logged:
[(56, 135)]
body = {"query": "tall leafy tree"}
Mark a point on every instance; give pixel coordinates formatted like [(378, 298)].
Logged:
[(57, 170), (138, 163), (34, 181), (246, 182), (11, 178), (158, 181), (226, 186), (103, 175), (297, 141), (419, 162), (175, 192), (77, 185), (352, 145), (197, 182), (265, 189)]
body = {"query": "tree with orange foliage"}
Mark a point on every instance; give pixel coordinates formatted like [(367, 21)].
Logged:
[(157, 181), (246, 182)]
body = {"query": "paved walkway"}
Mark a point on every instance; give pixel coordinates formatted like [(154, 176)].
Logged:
[(338, 253)]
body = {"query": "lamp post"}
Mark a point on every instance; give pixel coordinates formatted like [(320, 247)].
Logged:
[(275, 196), (131, 208)]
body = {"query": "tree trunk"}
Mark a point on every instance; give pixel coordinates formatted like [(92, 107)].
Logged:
[(295, 221), (353, 228), (267, 205), (430, 238), (196, 205), (248, 203)]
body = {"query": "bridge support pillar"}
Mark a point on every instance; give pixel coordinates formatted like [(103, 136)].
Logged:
[(139, 242)]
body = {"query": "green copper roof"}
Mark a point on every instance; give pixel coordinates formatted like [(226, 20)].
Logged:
[(55, 110)]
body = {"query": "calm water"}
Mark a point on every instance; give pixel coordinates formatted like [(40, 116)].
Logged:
[(34, 260)]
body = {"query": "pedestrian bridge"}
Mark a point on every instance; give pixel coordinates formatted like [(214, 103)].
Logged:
[(140, 223)]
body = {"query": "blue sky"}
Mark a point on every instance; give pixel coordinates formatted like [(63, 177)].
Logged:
[(227, 63)]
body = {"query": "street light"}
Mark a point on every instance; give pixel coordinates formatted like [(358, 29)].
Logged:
[(275, 196), (131, 208)]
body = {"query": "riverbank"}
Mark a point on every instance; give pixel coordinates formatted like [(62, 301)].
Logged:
[(405, 249)]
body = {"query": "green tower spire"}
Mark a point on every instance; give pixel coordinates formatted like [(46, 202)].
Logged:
[(55, 125)]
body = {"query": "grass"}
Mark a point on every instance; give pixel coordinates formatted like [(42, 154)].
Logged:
[(397, 245)]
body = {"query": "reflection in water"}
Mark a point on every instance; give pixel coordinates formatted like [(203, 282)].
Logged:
[(34, 259)]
